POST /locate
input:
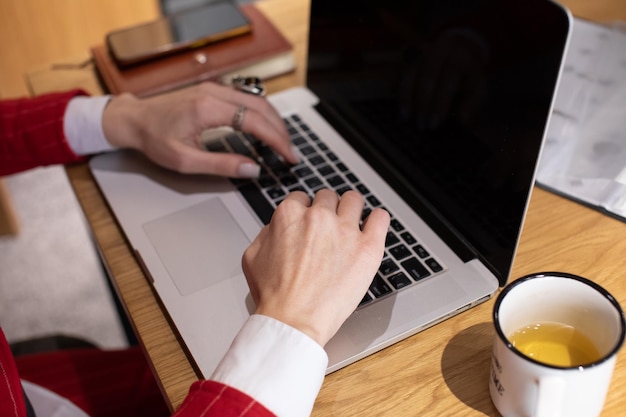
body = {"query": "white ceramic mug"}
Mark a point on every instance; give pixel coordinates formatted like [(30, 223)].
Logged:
[(521, 386)]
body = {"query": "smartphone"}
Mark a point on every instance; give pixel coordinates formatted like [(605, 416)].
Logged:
[(182, 30)]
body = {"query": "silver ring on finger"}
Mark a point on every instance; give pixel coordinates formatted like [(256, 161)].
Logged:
[(240, 114)]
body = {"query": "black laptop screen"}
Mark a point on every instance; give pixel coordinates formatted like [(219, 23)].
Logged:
[(449, 99)]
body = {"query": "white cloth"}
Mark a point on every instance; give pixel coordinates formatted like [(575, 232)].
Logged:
[(82, 125), (275, 364)]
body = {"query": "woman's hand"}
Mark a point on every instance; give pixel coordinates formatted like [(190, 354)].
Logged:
[(167, 128), (312, 265)]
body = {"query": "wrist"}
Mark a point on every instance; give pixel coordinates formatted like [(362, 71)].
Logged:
[(295, 321), (82, 125), (121, 121)]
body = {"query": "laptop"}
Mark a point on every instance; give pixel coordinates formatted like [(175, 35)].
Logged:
[(435, 111)]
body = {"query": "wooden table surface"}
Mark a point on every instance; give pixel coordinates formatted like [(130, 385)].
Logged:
[(439, 372)]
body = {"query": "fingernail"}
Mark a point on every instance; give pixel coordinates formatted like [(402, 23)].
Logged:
[(249, 170)]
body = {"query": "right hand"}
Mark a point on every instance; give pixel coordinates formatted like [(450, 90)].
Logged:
[(312, 265)]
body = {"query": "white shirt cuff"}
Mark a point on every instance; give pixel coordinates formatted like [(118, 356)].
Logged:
[(82, 125), (277, 365)]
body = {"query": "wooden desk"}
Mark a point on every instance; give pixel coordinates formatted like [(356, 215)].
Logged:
[(439, 372)]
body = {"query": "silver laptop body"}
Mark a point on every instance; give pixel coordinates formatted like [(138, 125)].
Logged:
[(189, 232)]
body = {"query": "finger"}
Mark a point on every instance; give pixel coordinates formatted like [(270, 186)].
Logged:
[(376, 224), (326, 198), (299, 196), (351, 206), (251, 101), (256, 122), (222, 113), (190, 160), (261, 118)]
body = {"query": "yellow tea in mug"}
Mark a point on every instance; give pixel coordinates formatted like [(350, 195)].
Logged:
[(555, 344)]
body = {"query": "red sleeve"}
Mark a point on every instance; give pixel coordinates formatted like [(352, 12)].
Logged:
[(32, 134), (11, 395), (212, 399)]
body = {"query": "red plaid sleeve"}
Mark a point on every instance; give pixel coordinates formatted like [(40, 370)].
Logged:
[(32, 134), (213, 399), (11, 396)]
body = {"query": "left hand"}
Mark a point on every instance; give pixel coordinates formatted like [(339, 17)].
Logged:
[(167, 127)]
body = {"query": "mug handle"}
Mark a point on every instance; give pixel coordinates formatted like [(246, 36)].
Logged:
[(550, 390)]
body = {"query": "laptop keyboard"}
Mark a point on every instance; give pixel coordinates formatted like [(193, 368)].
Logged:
[(406, 260)]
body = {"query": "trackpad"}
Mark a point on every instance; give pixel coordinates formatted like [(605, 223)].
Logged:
[(199, 246)]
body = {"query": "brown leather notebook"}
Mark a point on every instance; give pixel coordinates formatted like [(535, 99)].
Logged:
[(263, 53)]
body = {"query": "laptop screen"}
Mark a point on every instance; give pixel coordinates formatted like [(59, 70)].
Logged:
[(449, 100)]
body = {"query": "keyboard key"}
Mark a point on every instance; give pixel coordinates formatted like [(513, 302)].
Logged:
[(271, 159), (421, 252), (373, 201), (316, 160), (379, 287), (275, 193), (282, 170), (408, 238), (240, 181), (415, 269), (352, 178), (362, 189), (288, 180), (433, 265), (215, 146), (335, 181), (326, 170), (302, 172), (307, 150), (399, 280), (266, 181), (396, 225), (391, 239), (400, 252), (388, 266), (297, 188), (235, 142), (313, 182), (342, 190)]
